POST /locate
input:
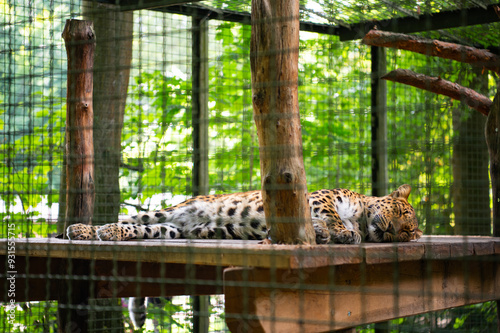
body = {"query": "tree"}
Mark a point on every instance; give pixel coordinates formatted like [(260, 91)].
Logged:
[(114, 29)]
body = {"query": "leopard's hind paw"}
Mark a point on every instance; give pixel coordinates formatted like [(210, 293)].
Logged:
[(115, 232), (81, 231)]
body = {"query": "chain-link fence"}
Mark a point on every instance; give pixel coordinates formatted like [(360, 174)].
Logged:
[(155, 104)]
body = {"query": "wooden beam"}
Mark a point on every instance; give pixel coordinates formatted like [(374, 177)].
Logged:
[(327, 299), (274, 64), (111, 279)]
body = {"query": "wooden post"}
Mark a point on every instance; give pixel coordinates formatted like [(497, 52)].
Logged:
[(79, 39), (80, 44), (274, 65)]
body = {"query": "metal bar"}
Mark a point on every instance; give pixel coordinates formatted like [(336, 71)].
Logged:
[(379, 122), (200, 105), (425, 22), (199, 38), (127, 5)]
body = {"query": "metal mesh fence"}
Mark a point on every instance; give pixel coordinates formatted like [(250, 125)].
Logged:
[(173, 117)]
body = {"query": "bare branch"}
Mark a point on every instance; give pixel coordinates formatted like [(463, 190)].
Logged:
[(437, 85), (429, 47)]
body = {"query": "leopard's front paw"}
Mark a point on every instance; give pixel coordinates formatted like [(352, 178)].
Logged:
[(81, 231), (322, 233), (348, 237)]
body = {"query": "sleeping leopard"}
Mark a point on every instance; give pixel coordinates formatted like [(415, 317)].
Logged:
[(339, 216)]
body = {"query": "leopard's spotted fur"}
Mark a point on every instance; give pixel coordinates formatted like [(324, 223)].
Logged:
[(339, 216)]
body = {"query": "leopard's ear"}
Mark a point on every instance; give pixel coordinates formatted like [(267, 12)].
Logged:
[(402, 192)]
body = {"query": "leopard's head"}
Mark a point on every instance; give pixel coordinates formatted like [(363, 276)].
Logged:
[(393, 218), (404, 219)]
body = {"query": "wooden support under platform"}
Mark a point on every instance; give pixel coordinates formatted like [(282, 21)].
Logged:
[(269, 287)]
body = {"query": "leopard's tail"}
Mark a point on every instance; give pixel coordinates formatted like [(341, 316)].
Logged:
[(137, 311), (138, 307)]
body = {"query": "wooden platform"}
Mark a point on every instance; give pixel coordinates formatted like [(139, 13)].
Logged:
[(267, 287)]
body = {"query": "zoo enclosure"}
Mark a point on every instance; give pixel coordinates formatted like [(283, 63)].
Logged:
[(432, 199)]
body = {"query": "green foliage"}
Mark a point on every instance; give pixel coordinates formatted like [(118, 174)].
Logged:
[(162, 317), (33, 160), (473, 318), (157, 110), (477, 318), (33, 317), (31, 113), (232, 131)]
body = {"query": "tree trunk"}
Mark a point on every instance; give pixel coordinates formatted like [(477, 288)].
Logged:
[(114, 29), (274, 66), (492, 132), (471, 195), (79, 38), (493, 141)]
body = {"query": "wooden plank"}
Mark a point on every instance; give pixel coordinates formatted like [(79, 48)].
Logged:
[(253, 254), (324, 299)]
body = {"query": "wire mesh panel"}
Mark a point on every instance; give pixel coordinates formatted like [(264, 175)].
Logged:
[(173, 105)]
